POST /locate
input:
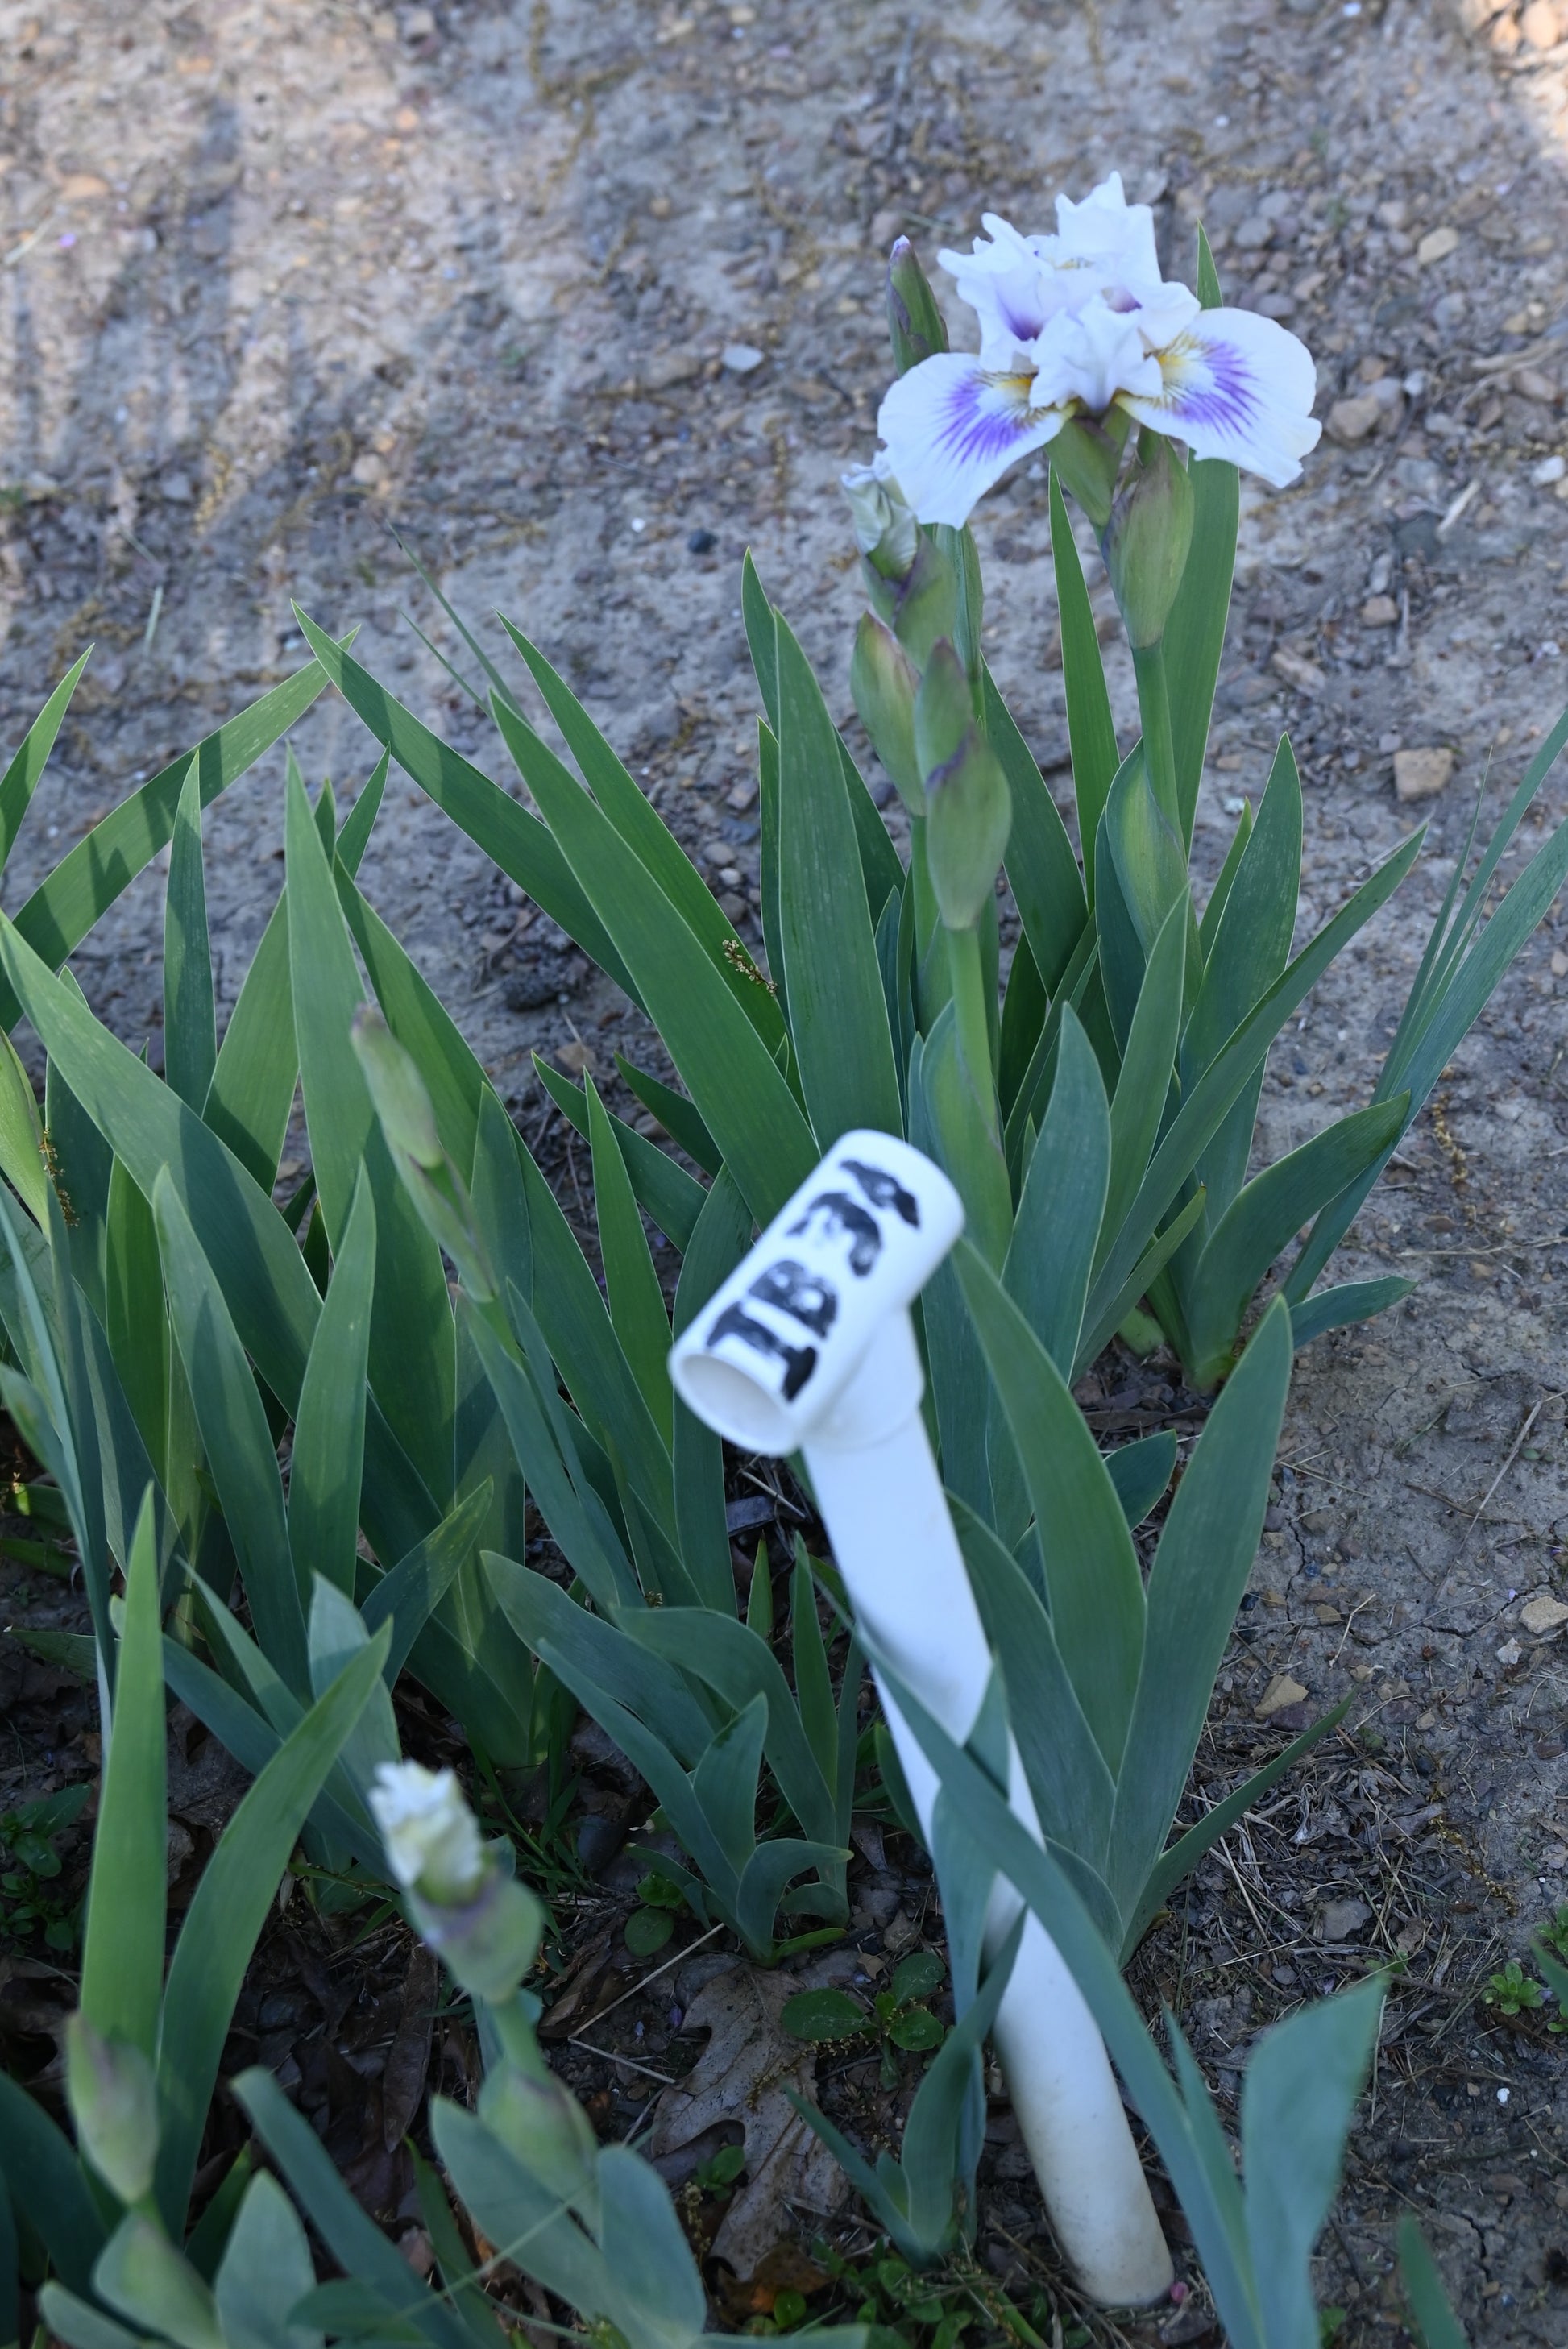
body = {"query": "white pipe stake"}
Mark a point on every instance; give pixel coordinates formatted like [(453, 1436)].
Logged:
[(809, 1345)]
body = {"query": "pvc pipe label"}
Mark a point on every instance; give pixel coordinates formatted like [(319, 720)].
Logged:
[(771, 1353)]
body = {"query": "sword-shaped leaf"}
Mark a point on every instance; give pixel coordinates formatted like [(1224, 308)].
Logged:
[(189, 1018)]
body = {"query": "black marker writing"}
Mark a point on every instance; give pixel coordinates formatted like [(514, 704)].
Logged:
[(803, 1295), (884, 1190), (841, 1212), (800, 1362)]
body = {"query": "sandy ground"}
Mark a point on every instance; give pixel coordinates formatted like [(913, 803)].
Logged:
[(583, 301)]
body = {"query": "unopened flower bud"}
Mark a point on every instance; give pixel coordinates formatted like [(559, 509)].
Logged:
[(399, 1092), (1147, 544), (1086, 456), (921, 608), (969, 808), (884, 682), (886, 530), (431, 1836), (113, 2098), (914, 321), (488, 1946), (484, 1926), (544, 2127), (406, 1116)]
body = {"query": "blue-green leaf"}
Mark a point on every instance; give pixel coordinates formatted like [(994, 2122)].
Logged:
[(1092, 1580), (122, 1946), (236, 1438), (189, 1018)]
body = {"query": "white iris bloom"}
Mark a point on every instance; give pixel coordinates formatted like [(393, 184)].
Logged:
[(1075, 324), (432, 1837)]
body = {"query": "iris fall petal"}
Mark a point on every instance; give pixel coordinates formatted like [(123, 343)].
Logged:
[(1237, 385), (952, 428)]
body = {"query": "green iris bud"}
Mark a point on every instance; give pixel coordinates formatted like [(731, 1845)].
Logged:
[(1147, 543), (489, 1945), (922, 610), (969, 806), (545, 2127), (1086, 456), (884, 682), (886, 530), (914, 321), (407, 1120), (398, 1090), (114, 2101)]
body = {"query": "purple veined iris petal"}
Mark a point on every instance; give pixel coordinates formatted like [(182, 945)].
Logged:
[(1024, 320), (1229, 401), (952, 427), (978, 426), (1236, 386)]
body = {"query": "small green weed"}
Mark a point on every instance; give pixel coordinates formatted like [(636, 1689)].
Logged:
[(718, 2173), (897, 2016), (1513, 1991), (933, 2308), (27, 1838), (1554, 1937), (652, 1922)]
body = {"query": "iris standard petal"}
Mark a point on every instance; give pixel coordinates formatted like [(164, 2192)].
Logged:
[(1106, 232), (1236, 386), (1006, 287), (952, 429), (1089, 355)]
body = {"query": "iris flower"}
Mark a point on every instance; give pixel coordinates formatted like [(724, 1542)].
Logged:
[(1074, 325)]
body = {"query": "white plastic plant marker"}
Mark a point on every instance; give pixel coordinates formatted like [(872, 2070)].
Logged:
[(808, 1345)]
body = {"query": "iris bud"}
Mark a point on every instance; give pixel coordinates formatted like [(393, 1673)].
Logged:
[(1147, 544), (884, 682), (1086, 456), (545, 2127), (488, 1946), (114, 2101), (431, 1836), (408, 1119), (886, 530), (484, 1926), (914, 321), (402, 1101), (969, 808)]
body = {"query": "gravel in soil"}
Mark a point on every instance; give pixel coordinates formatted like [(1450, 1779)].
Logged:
[(583, 301)]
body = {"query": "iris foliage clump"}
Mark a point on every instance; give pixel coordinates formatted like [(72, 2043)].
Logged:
[(292, 1433)]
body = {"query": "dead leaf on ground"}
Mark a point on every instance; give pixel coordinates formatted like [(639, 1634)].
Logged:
[(1281, 1692), (409, 2057), (744, 2073), (785, 2268), (1343, 1920), (205, 1788), (581, 1980)]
